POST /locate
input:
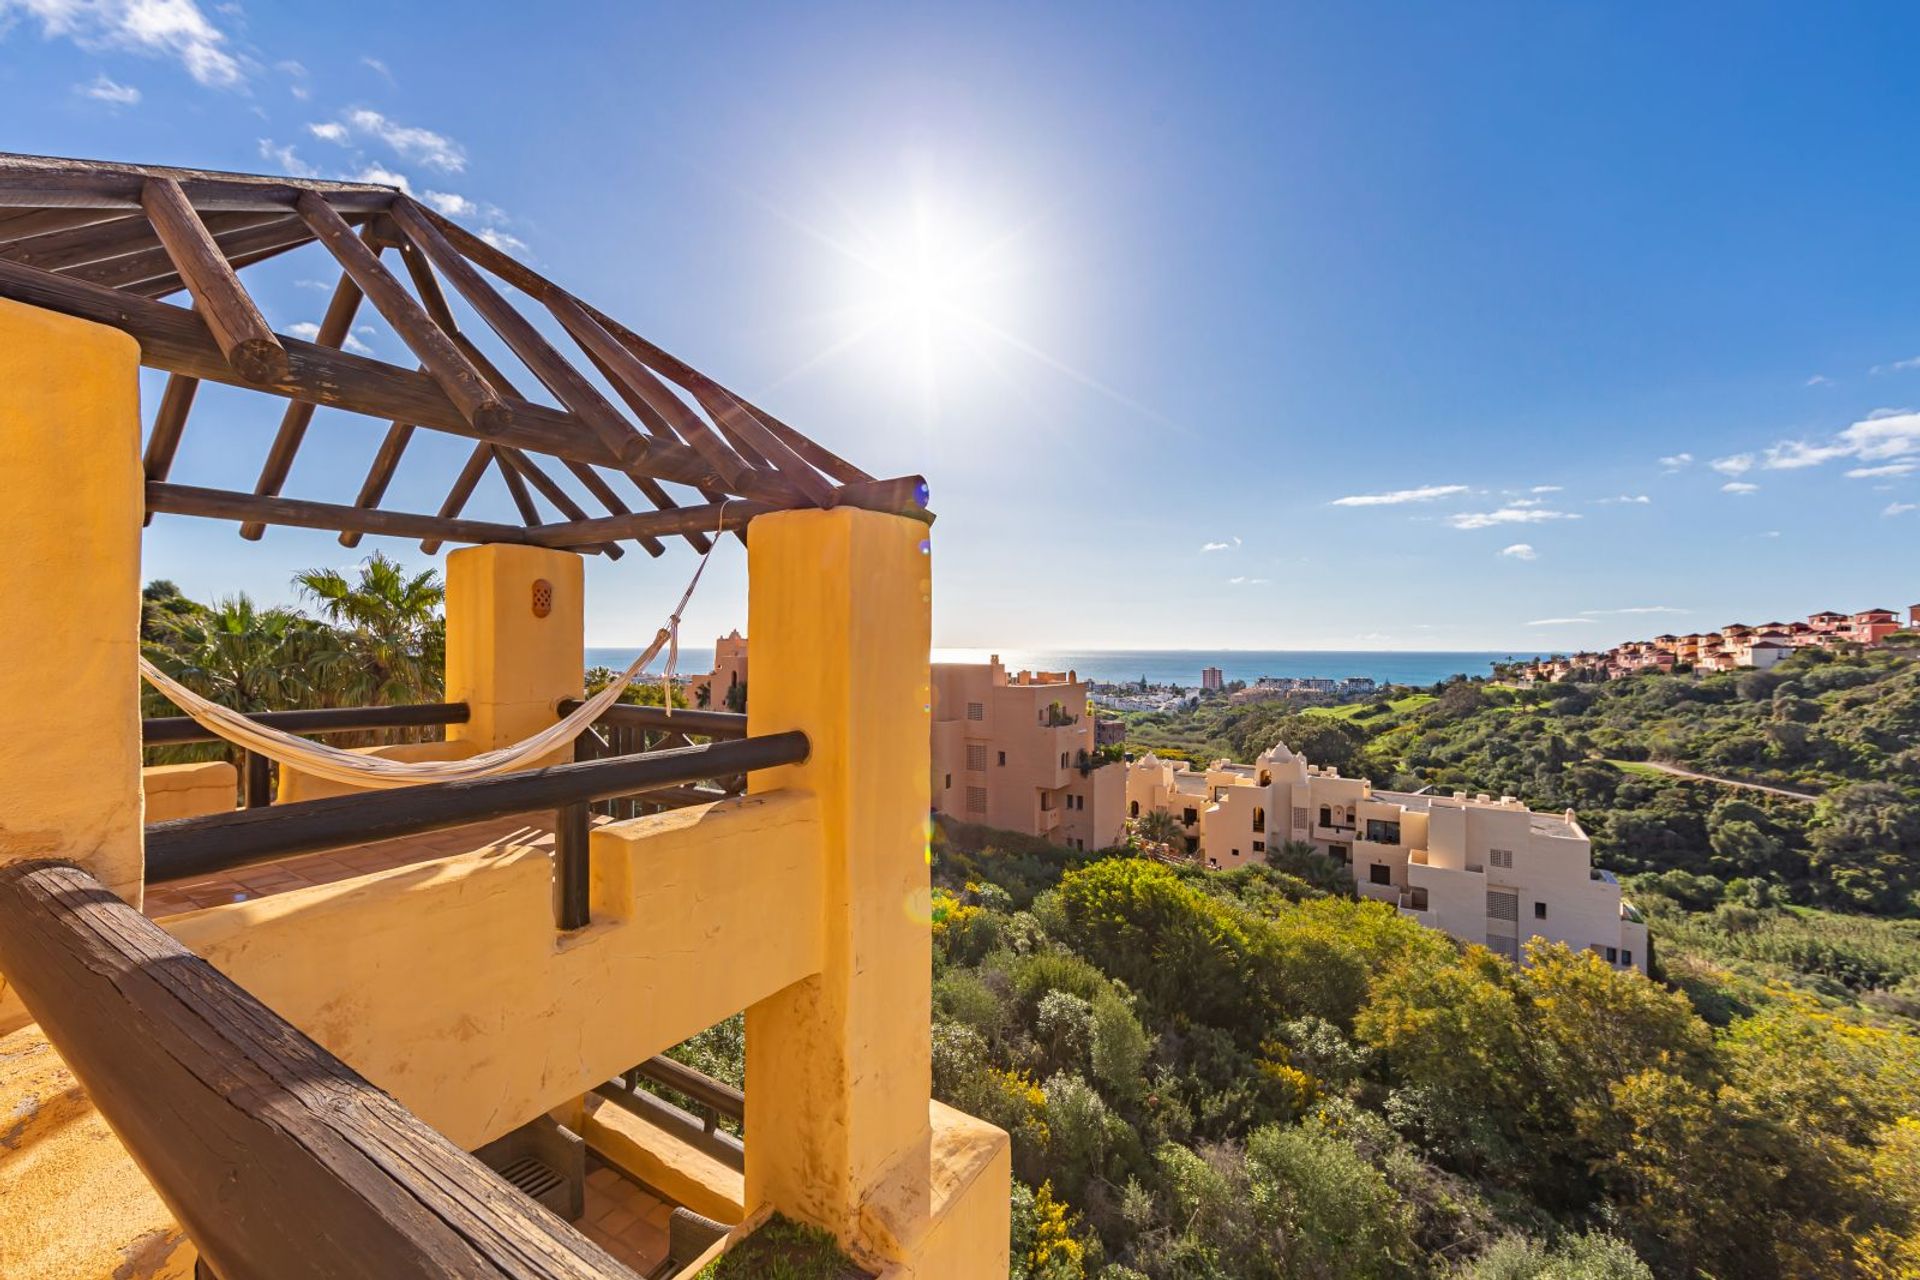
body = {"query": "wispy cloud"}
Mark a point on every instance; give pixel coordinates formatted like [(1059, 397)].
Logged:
[(1520, 551), (285, 159), (1736, 464), (1900, 508), (1399, 497), (1628, 499), (1886, 436), (307, 331), (1559, 622), (502, 241), (1676, 461), (175, 29), (1228, 545), (385, 177), (1740, 487), (451, 203), (103, 89), (1546, 488), (409, 142), (1247, 582), (368, 60), (296, 74), (1897, 366), (1818, 380), (1638, 608), (1883, 471), (1513, 514)]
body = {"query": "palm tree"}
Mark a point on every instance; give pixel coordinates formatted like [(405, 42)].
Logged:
[(1160, 828), (244, 657), (392, 636)]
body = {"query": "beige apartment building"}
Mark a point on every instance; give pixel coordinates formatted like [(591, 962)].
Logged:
[(1482, 869), (1016, 751)]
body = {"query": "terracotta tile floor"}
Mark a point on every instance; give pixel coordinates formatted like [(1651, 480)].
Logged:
[(534, 829), (624, 1219)]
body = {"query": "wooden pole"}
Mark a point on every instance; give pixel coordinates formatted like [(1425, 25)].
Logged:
[(169, 420), (185, 500), (243, 333)]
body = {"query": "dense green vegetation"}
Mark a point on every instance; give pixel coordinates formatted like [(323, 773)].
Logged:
[(784, 1250), (1238, 1075)]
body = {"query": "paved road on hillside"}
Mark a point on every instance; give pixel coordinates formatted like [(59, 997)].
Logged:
[(1689, 774)]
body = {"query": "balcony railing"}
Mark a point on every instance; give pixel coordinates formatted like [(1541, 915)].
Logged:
[(629, 730), (714, 1099), (256, 771)]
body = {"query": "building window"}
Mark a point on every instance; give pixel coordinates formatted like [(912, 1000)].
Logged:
[(1382, 831), (1236, 853), (1613, 955), (1626, 957), (1539, 911), (1418, 897), (976, 799), (1063, 759), (1188, 817), (1326, 815), (1300, 817), (1259, 819), (949, 785), (1133, 808), (1503, 906), (1046, 802), (1193, 846), (1259, 846), (976, 756), (1502, 858), (976, 711), (1003, 759), (1380, 873)]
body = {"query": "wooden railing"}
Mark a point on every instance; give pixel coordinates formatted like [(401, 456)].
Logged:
[(714, 1099), (627, 730), (188, 848), (276, 1158), (256, 775)]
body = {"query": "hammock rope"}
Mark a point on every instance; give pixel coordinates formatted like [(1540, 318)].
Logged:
[(339, 764)]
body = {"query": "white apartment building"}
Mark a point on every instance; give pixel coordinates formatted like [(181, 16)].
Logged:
[(1482, 869)]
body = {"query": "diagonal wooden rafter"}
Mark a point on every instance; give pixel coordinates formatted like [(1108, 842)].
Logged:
[(244, 335)]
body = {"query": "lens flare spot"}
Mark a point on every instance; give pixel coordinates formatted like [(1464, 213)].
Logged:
[(919, 907)]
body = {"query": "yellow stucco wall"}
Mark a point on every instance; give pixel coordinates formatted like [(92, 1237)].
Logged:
[(448, 985), (507, 664), (70, 594), (188, 790), (679, 1172)]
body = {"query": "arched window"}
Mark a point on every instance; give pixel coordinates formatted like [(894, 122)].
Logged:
[(1259, 819), (1133, 809)]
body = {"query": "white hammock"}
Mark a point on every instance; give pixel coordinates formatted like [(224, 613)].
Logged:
[(354, 768)]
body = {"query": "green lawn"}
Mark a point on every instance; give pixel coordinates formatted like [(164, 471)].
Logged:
[(1365, 710), (784, 1250), (1640, 767)]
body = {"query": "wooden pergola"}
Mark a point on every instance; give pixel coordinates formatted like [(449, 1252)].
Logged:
[(109, 242)]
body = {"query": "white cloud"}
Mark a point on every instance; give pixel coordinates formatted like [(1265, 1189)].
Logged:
[(296, 75), (377, 65), (285, 160), (385, 177), (329, 131), (1629, 499), (1675, 461), (1791, 455), (1546, 488), (1737, 464), (422, 146), (1638, 608), (1883, 470), (1506, 515), (1559, 622), (447, 202), (1885, 435), (1740, 487), (174, 29), (320, 285), (1520, 551), (1900, 508), (1897, 366), (1247, 582), (1400, 496), (308, 331), (502, 241), (1818, 380), (1216, 546), (102, 89)]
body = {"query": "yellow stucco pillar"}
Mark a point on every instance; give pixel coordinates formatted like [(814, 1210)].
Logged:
[(69, 598), (516, 639), (838, 1069)]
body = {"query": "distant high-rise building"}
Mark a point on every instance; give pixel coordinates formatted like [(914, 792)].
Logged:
[(1211, 678)]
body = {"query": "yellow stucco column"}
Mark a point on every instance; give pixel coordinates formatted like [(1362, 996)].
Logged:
[(516, 639), (69, 598), (838, 1069)]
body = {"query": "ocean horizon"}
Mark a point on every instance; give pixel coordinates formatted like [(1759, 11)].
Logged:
[(1177, 666)]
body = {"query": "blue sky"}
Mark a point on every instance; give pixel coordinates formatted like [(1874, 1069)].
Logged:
[(1452, 326)]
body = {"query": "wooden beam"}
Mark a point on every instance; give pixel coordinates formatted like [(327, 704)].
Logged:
[(335, 325), (154, 269), (903, 496), (525, 470), (380, 474), (546, 364), (275, 1157), (120, 238), (173, 339), (237, 325), (19, 224), (456, 375), (185, 500), (54, 182), (463, 487), (168, 421)]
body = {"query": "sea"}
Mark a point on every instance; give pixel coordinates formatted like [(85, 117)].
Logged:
[(1178, 666)]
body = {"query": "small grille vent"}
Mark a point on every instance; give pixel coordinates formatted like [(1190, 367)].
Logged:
[(533, 1176)]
